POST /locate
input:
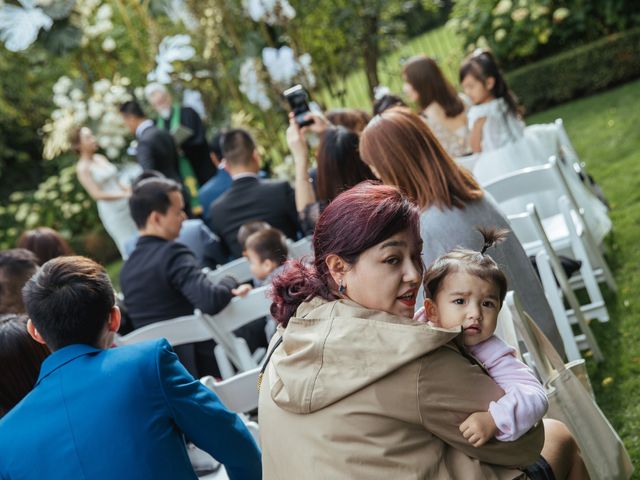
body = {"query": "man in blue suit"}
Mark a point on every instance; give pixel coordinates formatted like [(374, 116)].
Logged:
[(99, 413)]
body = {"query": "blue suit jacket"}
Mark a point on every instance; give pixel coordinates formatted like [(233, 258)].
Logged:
[(120, 414)]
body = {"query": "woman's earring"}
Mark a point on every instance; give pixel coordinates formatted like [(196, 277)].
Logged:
[(341, 288)]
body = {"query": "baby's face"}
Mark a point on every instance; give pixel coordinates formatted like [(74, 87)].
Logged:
[(468, 301)]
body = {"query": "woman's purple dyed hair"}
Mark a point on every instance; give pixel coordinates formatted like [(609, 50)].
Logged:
[(353, 222)]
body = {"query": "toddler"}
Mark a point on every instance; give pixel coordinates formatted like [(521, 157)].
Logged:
[(466, 288), (266, 250), (495, 117)]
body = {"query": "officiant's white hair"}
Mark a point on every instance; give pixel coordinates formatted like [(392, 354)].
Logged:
[(154, 87)]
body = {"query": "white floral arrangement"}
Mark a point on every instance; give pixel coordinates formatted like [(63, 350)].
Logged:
[(252, 85), (282, 68), (98, 108), (171, 49), (272, 12)]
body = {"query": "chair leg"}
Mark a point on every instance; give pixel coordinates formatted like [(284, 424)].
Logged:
[(557, 307)]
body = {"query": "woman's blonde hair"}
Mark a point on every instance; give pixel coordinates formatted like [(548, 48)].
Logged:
[(405, 153)]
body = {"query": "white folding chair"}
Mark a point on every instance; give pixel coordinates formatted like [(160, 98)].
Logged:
[(231, 349), (300, 248), (238, 269), (239, 394), (550, 269), (177, 331), (563, 224)]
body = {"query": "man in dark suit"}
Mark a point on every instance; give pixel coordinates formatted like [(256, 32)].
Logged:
[(250, 198), (104, 413), (162, 279), (156, 149)]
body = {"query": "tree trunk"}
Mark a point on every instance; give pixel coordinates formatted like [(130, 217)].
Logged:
[(371, 52)]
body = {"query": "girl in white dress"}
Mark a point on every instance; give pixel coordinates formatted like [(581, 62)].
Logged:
[(99, 177), (503, 146), (495, 118)]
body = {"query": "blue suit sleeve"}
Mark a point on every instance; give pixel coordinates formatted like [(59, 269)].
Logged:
[(201, 416)]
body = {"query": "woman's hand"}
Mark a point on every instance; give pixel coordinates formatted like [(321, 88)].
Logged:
[(319, 125), (479, 428), (296, 141)]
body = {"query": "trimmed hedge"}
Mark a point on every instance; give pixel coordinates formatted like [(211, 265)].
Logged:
[(578, 72)]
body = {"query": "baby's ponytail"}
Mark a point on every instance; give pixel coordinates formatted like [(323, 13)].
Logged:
[(492, 236)]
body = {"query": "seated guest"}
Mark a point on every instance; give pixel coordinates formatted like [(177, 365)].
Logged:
[(45, 242), (20, 357), (352, 119), (266, 251), (194, 234), (104, 413), (16, 267), (250, 198), (220, 183), (162, 280), (248, 229)]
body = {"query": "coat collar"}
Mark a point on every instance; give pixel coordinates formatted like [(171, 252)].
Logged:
[(63, 356)]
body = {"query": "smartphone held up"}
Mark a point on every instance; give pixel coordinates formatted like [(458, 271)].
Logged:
[(299, 103)]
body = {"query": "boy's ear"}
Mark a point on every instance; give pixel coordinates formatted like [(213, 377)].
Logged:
[(431, 311)]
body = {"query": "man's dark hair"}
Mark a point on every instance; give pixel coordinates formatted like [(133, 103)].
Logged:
[(269, 244), (16, 267), (69, 301), (132, 108), (151, 195), (237, 147)]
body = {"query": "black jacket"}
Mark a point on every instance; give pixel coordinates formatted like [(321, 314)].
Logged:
[(162, 280), (249, 199), (157, 151)]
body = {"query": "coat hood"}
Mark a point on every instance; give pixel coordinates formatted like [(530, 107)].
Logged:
[(332, 349)]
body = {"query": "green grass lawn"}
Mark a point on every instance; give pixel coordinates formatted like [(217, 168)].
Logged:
[(442, 44), (605, 131)]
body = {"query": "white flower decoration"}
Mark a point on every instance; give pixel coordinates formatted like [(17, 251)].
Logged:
[(252, 86), (269, 11), (171, 49), (19, 26)]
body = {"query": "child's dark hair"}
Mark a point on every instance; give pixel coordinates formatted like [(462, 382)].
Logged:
[(482, 65), (268, 244), (469, 261), (248, 229)]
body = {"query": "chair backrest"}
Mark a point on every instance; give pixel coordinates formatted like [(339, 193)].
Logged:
[(238, 268), (238, 393), (300, 248), (178, 331), (242, 311), (238, 313), (537, 185)]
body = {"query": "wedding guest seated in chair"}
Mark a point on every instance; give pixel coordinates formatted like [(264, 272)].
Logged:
[(103, 413), (162, 280)]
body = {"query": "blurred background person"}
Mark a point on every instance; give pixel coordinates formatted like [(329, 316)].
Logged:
[(99, 177), (16, 267), (440, 104), (45, 243)]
